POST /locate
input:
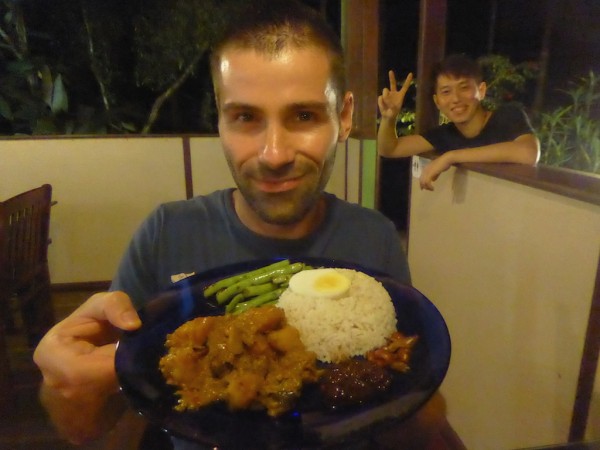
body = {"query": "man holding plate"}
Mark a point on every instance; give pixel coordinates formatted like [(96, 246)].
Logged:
[(279, 81)]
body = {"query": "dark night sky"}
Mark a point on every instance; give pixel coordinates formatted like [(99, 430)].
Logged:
[(518, 31)]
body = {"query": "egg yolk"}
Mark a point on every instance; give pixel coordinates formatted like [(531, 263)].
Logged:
[(327, 281)]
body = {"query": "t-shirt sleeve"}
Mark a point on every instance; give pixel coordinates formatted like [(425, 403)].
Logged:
[(440, 137), (137, 274), (514, 120)]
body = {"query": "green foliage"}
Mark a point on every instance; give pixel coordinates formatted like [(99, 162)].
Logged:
[(23, 88), (405, 124), (505, 81), (36, 84), (100, 36), (570, 135), (167, 40), (170, 44), (88, 66)]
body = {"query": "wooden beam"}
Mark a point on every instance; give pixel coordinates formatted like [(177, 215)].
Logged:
[(361, 44), (431, 49), (587, 368)]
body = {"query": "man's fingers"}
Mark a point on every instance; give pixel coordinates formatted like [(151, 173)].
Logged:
[(116, 307), (427, 185), (407, 82), (380, 104), (120, 311), (393, 84), (426, 181)]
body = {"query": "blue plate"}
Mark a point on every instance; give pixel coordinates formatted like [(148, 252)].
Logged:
[(311, 423)]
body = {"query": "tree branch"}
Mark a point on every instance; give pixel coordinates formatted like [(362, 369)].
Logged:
[(161, 99), (10, 44), (93, 59)]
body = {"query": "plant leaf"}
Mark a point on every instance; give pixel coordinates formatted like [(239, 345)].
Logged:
[(59, 101), (5, 110)]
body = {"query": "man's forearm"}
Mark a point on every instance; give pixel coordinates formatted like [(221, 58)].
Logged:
[(524, 150), (386, 137)]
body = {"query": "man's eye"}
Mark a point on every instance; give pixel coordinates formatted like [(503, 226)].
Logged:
[(305, 116), (244, 117)]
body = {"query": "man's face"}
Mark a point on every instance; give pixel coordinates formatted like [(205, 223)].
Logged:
[(458, 98), (279, 128)]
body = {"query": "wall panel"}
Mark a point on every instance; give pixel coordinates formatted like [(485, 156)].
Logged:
[(104, 189), (512, 269)]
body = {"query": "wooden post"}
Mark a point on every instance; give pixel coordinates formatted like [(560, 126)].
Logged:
[(432, 47), (361, 41)]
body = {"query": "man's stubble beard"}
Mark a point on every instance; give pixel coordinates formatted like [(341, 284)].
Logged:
[(286, 208)]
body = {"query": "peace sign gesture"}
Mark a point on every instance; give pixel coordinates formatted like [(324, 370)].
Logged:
[(390, 101)]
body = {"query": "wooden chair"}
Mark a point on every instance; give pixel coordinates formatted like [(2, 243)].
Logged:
[(24, 274)]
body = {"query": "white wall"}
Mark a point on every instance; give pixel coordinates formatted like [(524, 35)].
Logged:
[(105, 187), (512, 270)]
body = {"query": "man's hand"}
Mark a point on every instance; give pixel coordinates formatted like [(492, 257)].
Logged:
[(432, 171), (390, 101), (76, 358)]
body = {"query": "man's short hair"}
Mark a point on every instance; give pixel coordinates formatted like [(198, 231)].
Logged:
[(456, 66), (271, 26)]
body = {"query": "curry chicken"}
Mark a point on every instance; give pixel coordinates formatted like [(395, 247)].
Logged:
[(253, 360)]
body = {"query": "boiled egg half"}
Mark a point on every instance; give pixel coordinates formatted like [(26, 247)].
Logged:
[(328, 283)]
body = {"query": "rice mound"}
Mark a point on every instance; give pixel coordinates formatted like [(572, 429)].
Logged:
[(336, 329)]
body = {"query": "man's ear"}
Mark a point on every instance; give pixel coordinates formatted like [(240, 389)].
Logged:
[(482, 90), (435, 100), (346, 117)]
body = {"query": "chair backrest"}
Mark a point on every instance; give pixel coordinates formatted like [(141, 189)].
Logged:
[(24, 229)]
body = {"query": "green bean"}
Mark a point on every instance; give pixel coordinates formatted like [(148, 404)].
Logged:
[(225, 282), (280, 279), (253, 291), (254, 288), (226, 294), (232, 304), (259, 300)]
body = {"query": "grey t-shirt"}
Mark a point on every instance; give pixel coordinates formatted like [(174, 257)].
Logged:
[(192, 236)]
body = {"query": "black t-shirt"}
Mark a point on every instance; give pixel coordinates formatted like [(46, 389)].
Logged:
[(506, 124)]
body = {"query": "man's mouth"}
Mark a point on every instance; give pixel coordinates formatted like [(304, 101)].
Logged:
[(459, 109), (275, 185)]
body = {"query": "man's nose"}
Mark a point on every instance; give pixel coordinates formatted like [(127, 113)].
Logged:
[(454, 95), (277, 150)]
